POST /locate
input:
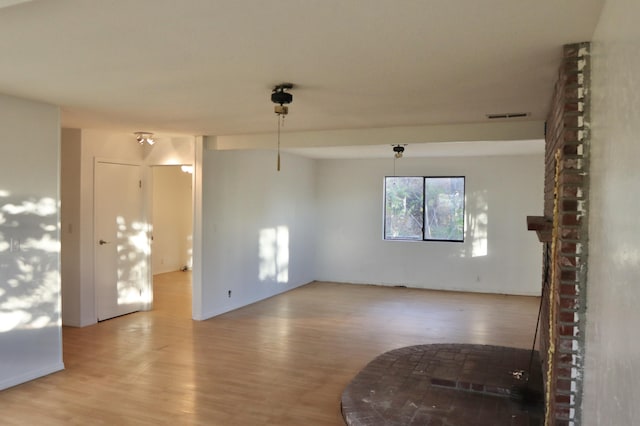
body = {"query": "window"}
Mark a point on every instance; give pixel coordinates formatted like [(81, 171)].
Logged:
[(424, 208)]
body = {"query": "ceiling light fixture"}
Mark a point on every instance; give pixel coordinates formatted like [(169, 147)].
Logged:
[(144, 137), (281, 97), (399, 150)]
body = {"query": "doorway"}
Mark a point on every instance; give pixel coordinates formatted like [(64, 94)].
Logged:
[(172, 225)]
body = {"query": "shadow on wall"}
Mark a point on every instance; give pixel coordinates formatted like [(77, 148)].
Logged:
[(29, 258)]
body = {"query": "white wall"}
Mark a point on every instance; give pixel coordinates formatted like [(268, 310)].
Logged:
[(499, 255), (612, 348), (78, 288), (258, 228), (169, 150), (172, 219), (30, 331)]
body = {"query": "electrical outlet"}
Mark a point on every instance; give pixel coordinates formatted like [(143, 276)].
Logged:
[(229, 293)]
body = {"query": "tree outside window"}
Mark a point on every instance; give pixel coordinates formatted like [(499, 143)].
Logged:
[(424, 208)]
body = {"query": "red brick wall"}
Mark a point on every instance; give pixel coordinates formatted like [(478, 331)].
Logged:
[(564, 277)]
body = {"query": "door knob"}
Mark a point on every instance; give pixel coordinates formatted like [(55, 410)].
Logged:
[(103, 242)]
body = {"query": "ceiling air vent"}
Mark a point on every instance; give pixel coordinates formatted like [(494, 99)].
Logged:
[(507, 115)]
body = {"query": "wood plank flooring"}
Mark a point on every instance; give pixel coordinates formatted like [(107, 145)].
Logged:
[(282, 361)]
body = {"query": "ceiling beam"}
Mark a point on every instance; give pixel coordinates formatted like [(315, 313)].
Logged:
[(467, 132)]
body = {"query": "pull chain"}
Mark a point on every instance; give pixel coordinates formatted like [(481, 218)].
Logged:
[(279, 142), (280, 124), (281, 98)]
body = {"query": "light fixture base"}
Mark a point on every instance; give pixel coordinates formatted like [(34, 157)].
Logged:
[(398, 149), (281, 109), (144, 137), (280, 96)]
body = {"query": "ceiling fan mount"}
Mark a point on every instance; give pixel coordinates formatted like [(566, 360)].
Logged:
[(280, 96), (398, 150)]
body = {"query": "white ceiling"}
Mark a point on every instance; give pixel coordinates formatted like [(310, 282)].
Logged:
[(208, 67)]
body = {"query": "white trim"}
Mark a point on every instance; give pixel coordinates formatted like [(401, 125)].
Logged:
[(31, 375), (196, 268)]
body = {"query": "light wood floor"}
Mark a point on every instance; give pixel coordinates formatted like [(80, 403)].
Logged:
[(282, 361)]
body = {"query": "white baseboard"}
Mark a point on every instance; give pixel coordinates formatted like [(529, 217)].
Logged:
[(31, 375)]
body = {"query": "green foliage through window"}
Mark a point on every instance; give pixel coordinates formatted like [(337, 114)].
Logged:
[(424, 208)]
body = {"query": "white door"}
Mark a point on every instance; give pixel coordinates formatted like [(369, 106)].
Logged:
[(121, 243)]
